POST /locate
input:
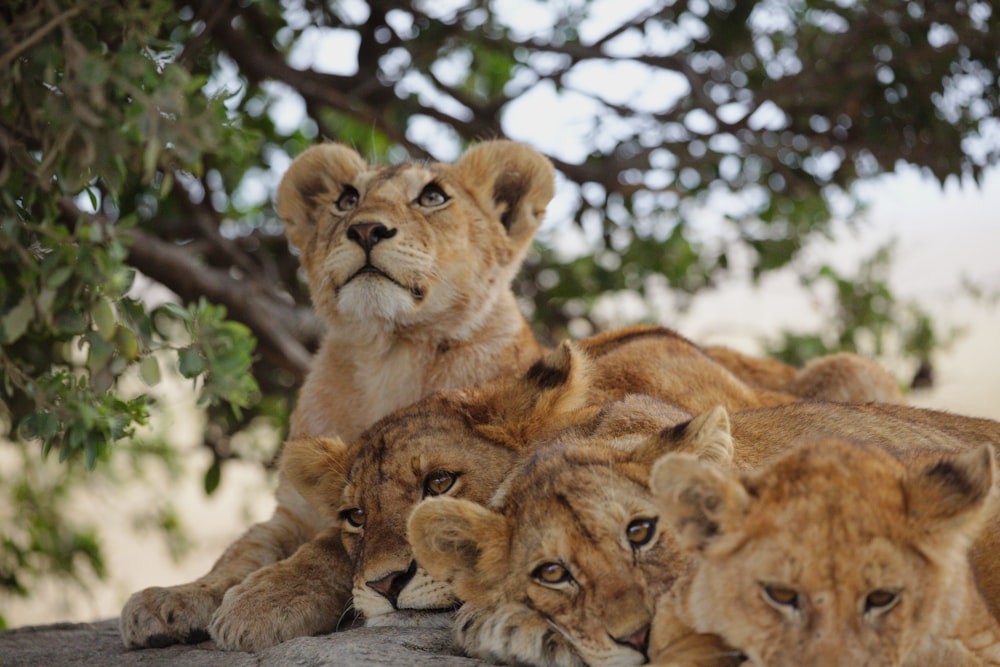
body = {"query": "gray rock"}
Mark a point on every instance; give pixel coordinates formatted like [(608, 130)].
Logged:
[(100, 645)]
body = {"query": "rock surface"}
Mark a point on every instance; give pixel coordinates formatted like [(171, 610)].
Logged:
[(77, 644)]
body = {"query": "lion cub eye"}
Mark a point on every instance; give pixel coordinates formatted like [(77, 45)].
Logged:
[(551, 573), (785, 597), (880, 600), (354, 516), (348, 199), (640, 531), (432, 195), (438, 482)]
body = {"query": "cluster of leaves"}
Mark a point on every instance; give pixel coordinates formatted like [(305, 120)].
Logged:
[(90, 111)]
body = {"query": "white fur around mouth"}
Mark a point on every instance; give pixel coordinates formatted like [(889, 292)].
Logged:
[(415, 291)]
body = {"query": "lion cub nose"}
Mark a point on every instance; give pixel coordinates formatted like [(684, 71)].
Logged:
[(638, 640), (393, 583), (367, 234)]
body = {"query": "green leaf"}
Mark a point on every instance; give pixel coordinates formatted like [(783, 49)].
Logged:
[(149, 370), (16, 321), (103, 315), (212, 477), (190, 362)]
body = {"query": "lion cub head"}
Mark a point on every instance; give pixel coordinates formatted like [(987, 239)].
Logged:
[(564, 565), (415, 244), (834, 554)]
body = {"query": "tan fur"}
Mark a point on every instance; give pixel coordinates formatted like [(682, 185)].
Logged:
[(478, 434), (842, 377), (483, 551), (790, 561), (433, 310)]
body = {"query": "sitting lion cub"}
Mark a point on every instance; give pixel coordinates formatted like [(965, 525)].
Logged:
[(836, 553), (410, 266)]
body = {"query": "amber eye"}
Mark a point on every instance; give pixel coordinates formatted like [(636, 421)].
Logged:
[(785, 597), (881, 599), (348, 199), (354, 516), (438, 482), (432, 195), (551, 573), (640, 531)]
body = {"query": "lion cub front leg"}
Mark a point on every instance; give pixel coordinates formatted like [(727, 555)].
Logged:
[(161, 616), (303, 595)]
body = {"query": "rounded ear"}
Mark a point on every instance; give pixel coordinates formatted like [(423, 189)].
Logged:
[(314, 181), (952, 493), (707, 436), (550, 396), (317, 468), (460, 542), (700, 501), (514, 181)]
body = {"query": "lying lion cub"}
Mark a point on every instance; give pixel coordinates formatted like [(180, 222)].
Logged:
[(410, 266), (463, 443), (837, 553), (573, 530)]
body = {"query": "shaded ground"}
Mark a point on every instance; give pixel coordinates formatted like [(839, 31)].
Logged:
[(99, 644)]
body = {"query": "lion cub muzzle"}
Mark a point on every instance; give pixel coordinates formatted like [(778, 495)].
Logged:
[(393, 583)]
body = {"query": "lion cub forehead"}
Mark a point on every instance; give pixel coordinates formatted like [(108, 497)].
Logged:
[(401, 181)]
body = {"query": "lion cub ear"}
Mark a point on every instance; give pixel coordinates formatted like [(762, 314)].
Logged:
[(699, 500), (317, 468), (953, 493), (548, 397), (460, 542), (514, 181), (707, 436), (314, 180)]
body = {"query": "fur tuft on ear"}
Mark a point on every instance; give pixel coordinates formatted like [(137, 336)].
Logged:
[(458, 541), (707, 436), (952, 493), (518, 179), (317, 468), (699, 500), (314, 180)]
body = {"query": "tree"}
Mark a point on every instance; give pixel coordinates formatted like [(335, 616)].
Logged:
[(146, 139)]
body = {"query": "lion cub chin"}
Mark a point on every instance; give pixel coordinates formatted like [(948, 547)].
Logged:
[(410, 266), (834, 554)]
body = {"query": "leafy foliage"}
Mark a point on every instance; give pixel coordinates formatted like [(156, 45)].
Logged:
[(141, 141)]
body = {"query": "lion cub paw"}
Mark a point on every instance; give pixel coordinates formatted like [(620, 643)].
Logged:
[(157, 617), (267, 609)]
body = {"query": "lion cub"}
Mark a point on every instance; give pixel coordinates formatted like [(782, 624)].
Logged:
[(564, 565), (410, 266), (837, 553)]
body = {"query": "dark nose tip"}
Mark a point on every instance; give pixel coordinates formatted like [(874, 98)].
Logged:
[(367, 234), (639, 640), (393, 583)]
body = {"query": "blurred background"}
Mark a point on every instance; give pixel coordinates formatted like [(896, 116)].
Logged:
[(787, 177)]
